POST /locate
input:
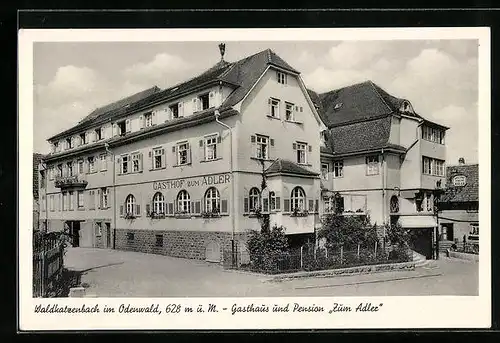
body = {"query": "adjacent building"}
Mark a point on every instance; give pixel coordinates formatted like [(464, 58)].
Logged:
[(459, 205), (180, 171), (37, 174)]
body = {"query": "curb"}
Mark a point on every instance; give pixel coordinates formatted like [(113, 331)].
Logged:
[(464, 256)]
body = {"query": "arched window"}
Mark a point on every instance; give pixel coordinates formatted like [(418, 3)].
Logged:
[(394, 204), (254, 197), (159, 203), (298, 199), (212, 200), (183, 202), (130, 204)]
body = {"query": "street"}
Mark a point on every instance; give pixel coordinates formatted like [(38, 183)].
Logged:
[(114, 273)]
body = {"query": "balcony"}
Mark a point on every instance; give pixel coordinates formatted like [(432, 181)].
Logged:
[(74, 181)]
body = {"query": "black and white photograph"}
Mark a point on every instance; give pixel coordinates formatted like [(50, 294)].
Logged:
[(254, 167)]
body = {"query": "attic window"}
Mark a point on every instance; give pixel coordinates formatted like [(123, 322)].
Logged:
[(337, 106), (459, 180)]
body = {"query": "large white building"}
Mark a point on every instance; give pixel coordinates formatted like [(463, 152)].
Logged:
[(179, 171)]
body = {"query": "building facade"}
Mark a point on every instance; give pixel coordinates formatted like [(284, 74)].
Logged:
[(380, 158), (179, 171), (36, 194), (459, 205)]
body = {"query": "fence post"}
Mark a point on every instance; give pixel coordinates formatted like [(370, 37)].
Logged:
[(375, 249), (358, 251), (301, 261), (326, 252), (341, 253)]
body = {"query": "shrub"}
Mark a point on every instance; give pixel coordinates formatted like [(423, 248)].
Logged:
[(267, 248), (347, 231)]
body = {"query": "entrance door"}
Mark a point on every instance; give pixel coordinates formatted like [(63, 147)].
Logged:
[(421, 241), (108, 235), (75, 233), (212, 253)]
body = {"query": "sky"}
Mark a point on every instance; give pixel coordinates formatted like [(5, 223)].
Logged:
[(438, 77)]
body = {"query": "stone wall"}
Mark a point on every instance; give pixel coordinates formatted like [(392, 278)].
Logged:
[(184, 244)]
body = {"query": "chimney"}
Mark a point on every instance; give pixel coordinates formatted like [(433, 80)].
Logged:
[(222, 48), (461, 161)]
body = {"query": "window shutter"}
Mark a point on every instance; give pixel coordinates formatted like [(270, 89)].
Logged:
[(121, 210), (316, 206), (294, 146), (252, 139), (138, 210), (99, 204), (141, 122), (202, 150), (223, 206), (286, 205), (245, 205), (195, 105), (189, 154), (272, 141), (163, 161), (92, 136), (148, 209), (151, 160), (103, 133), (197, 207), (191, 203), (311, 205), (181, 110), (127, 125), (278, 203), (140, 162), (265, 204), (87, 137), (201, 142), (115, 130), (211, 99), (310, 148), (170, 208)]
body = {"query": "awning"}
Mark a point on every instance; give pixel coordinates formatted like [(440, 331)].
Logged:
[(417, 222)]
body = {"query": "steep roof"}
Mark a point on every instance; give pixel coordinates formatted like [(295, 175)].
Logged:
[(357, 102), (281, 166), (467, 193), (242, 75)]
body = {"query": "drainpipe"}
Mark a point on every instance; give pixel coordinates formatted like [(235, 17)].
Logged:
[(106, 146), (233, 202)]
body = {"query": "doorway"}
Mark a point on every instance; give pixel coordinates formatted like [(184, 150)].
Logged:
[(75, 233), (421, 241), (108, 235)]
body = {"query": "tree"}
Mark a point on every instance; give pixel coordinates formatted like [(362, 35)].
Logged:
[(398, 239), (347, 231), (267, 248)]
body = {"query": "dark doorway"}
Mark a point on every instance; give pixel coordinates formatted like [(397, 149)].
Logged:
[(421, 241), (108, 235), (75, 233)]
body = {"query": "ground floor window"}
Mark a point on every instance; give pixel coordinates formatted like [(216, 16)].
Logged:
[(212, 200), (130, 204), (254, 199), (183, 202), (298, 199), (159, 203), (159, 240)]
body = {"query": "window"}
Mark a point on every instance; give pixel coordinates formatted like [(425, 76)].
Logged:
[(394, 204), (459, 180), (274, 108), (433, 134), (136, 162), (183, 153), (324, 171), (122, 128), (204, 101), (104, 163), (124, 164), (91, 200), (474, 229), (338, 169), (69, 168), (289, 112), (174, 109), (159, 240), (104, 198), (56, 147), (80, 199), (51, 198), (432, 166), (183, 202), (130, 204), (372, 165), (65, 201), (301, 153), (83, 138), (158, 158), (262, 147), (80, 167), (69, 143), (92, 164), (71, 201), (60, 170), (148, 119), (212, 200), (211, 148), (159, 203), (98, 134), (130, 236), (428, 202), (254, 197), (298, 199), (272, 201), (281, 78)]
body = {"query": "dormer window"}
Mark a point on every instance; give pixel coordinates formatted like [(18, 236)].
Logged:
[(204, 101), (69, 143), (83, 138), (148, 119), (122, 128), (174, 109), (338, 106), (98, 135), (459, 180), (281, 77)]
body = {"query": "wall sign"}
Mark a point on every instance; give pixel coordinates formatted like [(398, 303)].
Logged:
[(210, 180)]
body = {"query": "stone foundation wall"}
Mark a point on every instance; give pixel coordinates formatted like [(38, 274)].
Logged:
[(184, 244)]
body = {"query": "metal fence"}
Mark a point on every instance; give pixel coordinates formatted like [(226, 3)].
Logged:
[(48, 262), (307, 258)]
